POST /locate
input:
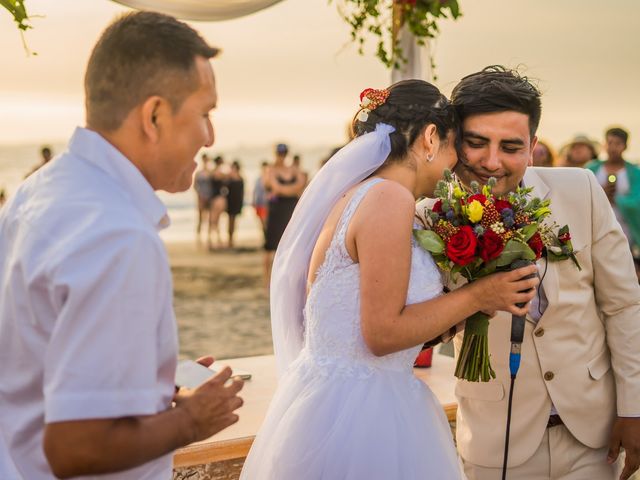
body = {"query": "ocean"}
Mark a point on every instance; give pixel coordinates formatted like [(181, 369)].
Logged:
[(17, 160)]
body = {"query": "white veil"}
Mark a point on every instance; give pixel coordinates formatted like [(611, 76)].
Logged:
[(349, 166)]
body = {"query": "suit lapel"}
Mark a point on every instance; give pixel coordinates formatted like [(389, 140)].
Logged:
[(550, 280)]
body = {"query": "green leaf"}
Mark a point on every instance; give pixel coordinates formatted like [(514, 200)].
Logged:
[(19, 12), (488, 269), (514, 250), (529, 231), (455, 8), (429, 240)]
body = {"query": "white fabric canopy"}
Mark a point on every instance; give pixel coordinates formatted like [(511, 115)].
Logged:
[(205, 10)]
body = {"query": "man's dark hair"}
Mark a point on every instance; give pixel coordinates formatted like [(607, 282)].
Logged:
[(497, 89), (621, 133), (139, 55)]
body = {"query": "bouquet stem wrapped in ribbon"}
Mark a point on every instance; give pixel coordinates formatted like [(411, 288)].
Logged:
[(476, 233)]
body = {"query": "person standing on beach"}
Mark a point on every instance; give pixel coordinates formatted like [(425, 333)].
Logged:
[(45, 153), (235, 198), (578, 152), (88, 337), (620, 180), (204, 193), (218, 200), (260, 202), (285, 184)]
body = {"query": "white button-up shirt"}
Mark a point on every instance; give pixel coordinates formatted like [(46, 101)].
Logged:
[(87, 329)]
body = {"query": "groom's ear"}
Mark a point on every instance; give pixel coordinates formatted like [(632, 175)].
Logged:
[(534, 142)]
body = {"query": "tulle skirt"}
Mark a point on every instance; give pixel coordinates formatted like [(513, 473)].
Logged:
[(333, 423)]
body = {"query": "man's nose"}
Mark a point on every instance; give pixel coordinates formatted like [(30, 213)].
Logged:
[(210, 134), (492, 161)]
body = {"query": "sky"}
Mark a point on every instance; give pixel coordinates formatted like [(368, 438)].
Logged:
[(289, 73)]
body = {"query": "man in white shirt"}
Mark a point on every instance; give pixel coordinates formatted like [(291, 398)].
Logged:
[(88, 341)]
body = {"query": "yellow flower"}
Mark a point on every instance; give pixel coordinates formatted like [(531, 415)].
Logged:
[(457, 192), (474, 211)]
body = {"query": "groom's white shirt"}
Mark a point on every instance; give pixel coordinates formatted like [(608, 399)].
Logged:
[(87, 328)]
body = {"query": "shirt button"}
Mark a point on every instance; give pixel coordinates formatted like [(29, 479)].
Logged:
[(539, 332), (548, 376)]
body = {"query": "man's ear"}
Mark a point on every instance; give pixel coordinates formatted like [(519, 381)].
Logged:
[(534, 142), (153, 111)]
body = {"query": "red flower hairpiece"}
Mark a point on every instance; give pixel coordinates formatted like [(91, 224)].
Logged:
[(370, 99)]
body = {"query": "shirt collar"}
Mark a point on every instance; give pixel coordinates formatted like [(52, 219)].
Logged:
[(95, 149)]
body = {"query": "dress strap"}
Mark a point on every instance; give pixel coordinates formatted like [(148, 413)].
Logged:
[(352, 206)]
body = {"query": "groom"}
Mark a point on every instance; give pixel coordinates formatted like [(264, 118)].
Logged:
[(577, 394)]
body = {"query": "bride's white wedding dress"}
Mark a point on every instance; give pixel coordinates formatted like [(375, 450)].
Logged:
[(339, 411)]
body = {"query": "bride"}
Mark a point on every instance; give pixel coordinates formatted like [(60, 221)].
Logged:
[(353, 298)]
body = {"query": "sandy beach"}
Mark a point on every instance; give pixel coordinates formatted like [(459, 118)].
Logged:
[(221, 305)]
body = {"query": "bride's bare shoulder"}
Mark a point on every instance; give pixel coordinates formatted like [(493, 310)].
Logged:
[(390, 196)]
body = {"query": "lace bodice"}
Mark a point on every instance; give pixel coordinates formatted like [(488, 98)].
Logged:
[(333, 336)]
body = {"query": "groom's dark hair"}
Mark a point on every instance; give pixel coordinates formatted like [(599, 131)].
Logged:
[(497, 89)]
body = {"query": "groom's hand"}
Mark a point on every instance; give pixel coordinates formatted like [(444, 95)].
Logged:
[(626, 434)]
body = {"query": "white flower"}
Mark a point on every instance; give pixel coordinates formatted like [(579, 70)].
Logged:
[(363, 115), (498, 227), (366, 101)]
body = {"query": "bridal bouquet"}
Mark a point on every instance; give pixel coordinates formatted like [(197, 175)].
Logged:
[(475, 233)]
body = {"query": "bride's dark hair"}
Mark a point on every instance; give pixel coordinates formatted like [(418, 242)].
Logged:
[(409, 108)]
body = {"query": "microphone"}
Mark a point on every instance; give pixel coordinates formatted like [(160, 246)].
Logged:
[(517, 337), (517, 325)]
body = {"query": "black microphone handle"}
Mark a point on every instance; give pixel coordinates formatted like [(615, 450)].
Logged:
[(518, 321)]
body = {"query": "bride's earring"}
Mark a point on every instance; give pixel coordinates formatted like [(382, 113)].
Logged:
[(430, 157)]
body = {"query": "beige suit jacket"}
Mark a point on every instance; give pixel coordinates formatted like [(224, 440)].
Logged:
[(584, 353)]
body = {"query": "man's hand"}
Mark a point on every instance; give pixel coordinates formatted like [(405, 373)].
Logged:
[(625, 434), (210, 407), (610, 190), (98, 446)]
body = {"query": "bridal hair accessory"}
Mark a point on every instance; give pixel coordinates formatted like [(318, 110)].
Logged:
[(370, 99)]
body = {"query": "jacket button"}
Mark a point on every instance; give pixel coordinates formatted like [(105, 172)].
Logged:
[(539, 332), (548, 376)]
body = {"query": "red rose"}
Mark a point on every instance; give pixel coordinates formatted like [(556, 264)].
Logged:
[(364, 93), (536, 245), (565, 237), (491, 245), (479, 197), (461, 247), (501, 205), (437, 207)]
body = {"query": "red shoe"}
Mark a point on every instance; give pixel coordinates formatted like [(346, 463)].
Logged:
[(423, 360)]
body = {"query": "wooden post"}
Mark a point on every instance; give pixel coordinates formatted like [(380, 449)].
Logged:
[(418, 57)]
